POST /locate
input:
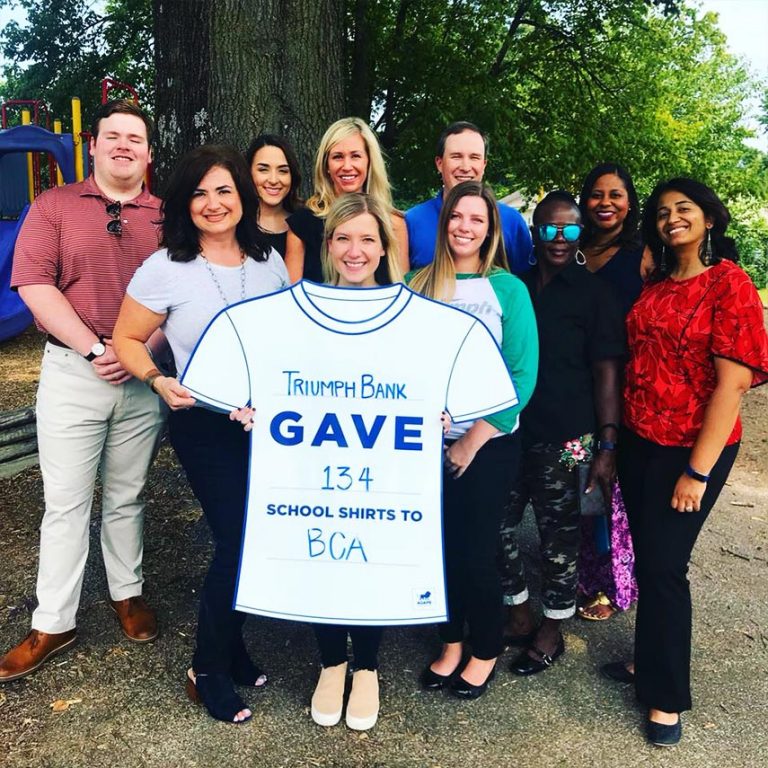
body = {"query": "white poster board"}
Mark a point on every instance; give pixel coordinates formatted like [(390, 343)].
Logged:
[(344, 523)]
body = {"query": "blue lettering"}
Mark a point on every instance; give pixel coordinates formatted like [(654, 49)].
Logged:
[(332, 541), (366, 386), (403, 434), (357, 545), (293, 434), (330, 431), (368, 439), (315, 540)]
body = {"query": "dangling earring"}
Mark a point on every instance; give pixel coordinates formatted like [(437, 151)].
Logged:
[(663, 262), (708, 257), (532, 260), (580, 261)]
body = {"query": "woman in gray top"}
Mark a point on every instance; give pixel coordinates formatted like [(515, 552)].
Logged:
[(213, 256)]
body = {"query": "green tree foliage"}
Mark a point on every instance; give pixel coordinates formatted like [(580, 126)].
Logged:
[(557, 84), (66, 47), (749, 226)]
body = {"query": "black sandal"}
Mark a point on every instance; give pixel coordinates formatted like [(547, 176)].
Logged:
[(246, 673), (217, 694)]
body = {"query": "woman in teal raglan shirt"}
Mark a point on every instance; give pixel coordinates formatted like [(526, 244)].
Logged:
[(470, 272)]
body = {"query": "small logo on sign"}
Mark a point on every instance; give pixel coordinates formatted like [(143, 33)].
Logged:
[(424, 598)]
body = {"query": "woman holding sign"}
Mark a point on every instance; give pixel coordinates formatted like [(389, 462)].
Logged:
[(470, 272), (359, 251), (213, 256), (348, 160)]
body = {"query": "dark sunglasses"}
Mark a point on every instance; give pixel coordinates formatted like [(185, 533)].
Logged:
[(115, 227), (548, 232)]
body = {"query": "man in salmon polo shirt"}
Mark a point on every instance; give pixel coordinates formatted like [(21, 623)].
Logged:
[(76, 253)]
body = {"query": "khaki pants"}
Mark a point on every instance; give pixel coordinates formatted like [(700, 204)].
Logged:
[(85, 425)]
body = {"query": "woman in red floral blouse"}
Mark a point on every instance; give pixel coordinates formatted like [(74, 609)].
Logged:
[(697, 343)]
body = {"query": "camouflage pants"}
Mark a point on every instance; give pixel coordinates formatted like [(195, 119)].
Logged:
[(552, 492)]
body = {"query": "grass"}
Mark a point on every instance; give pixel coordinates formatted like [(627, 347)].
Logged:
[(764, 296)]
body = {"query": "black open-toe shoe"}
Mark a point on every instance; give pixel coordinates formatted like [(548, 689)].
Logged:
[(217, 694), (246, 673), (526, 665)]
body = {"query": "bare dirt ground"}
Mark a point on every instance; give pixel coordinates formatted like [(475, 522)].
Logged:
[(113, 704)]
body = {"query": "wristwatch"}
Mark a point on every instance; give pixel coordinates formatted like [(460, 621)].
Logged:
[(97, 350), (606, 445)]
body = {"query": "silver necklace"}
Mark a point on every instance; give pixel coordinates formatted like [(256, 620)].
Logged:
[(218, 284)]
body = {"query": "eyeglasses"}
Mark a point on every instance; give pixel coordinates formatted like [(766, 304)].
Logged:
[(115, 227), (548, 232)]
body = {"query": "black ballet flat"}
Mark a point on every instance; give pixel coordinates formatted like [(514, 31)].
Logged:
[(432, 681), (526, 665), (618, 672), (461, 689), (664, 735)]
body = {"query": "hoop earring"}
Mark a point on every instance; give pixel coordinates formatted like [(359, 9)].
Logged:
[(532, 260), (583, 260), (707, 257), (663, 261)]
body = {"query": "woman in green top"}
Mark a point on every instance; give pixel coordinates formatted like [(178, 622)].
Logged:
[(470, 272)]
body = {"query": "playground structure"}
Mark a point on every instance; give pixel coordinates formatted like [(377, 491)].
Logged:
[(32, 158)]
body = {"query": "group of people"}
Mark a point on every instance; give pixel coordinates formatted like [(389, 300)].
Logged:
[(630, 348)]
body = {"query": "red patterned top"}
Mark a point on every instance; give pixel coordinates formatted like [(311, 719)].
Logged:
[(675, 330)]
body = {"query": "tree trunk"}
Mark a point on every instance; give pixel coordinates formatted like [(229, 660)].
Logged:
[(360, 96), (229, 70)]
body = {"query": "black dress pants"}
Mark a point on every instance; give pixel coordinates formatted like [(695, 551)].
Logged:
[(663, 540), (473, 507), (332, 642), (214, 454)]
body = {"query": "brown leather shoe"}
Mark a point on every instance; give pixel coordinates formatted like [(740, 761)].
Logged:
[(32, 652), (137, 619)]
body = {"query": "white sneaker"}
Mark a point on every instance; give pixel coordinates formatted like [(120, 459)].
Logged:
[(363, 704), (328, 698)]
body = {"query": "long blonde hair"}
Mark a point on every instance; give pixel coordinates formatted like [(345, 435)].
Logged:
[(438, 279), (346, 207), (376, 181)]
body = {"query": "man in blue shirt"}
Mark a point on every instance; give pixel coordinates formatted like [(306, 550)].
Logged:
[(461, 157)]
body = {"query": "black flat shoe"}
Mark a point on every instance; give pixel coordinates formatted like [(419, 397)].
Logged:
[(432, 681), (525, 665), (461, 689), (664, 735), (618, 672)]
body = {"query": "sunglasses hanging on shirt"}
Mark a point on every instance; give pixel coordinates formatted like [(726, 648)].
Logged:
[(115, 227)]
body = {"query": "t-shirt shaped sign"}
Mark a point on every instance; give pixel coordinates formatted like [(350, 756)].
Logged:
[(343, 523)]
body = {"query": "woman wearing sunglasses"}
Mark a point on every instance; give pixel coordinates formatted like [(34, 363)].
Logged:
[(470, 272), (581, 339)]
